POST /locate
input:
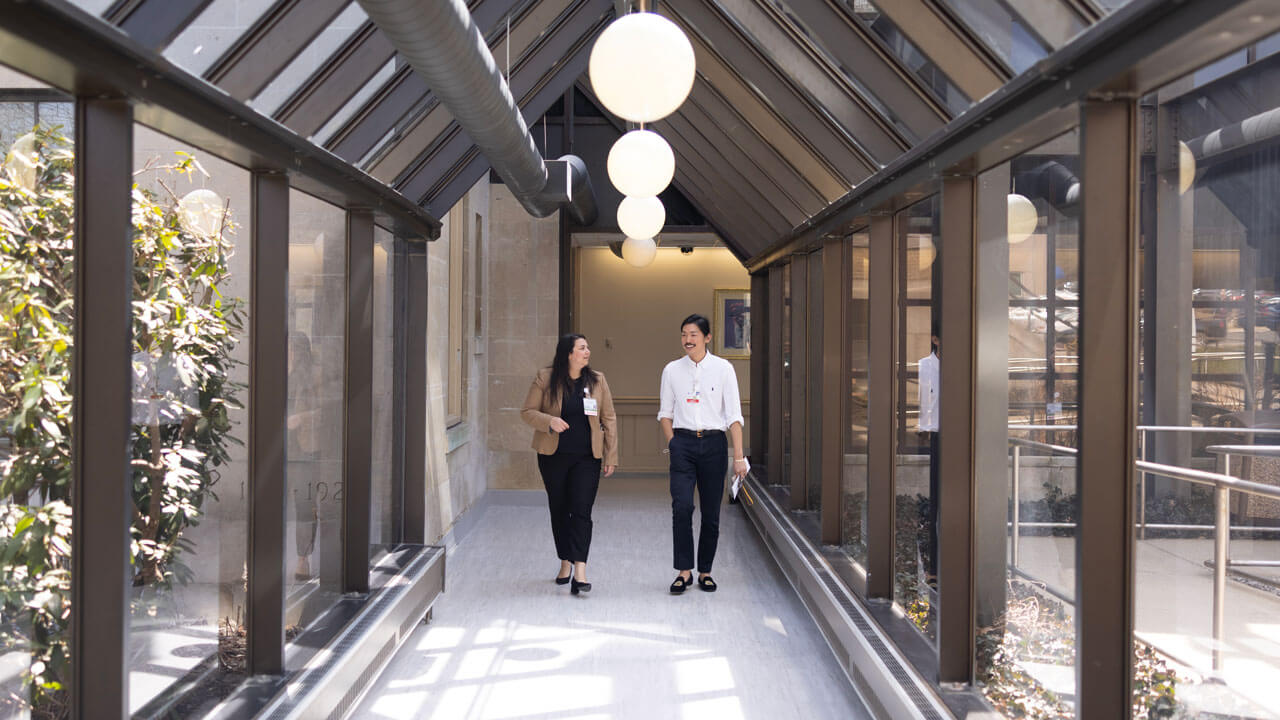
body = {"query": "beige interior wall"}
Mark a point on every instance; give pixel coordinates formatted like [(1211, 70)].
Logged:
[(632, 316)]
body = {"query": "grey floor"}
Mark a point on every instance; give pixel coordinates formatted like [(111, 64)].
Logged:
[(506, 642)]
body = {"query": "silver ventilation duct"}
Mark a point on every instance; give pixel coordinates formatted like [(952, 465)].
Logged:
[(440, 41)]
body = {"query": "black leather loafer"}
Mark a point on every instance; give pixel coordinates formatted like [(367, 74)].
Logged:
[(680, 585), (706, 584)]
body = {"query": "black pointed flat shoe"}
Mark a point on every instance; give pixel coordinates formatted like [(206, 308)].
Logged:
[(576, 587), (706, 584), (680, 585)]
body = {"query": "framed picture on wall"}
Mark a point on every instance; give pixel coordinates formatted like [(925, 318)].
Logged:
[(731, 323)]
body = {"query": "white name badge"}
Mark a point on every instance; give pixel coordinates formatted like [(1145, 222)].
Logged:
[(589, 407)]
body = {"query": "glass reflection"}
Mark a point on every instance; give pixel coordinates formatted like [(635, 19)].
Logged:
[(853, 489), (1211, 303), (383, 501)]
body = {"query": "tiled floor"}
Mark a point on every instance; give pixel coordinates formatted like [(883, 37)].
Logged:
[(506, 642)]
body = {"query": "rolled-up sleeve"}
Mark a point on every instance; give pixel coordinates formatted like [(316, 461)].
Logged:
[(732, 398), (666, 397)]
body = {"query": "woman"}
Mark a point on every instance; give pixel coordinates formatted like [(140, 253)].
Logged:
[(575, 432)]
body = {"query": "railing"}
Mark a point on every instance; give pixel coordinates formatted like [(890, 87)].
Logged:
[(1222, 482)]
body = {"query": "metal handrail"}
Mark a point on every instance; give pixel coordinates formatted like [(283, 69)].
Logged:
[(1223, 484)]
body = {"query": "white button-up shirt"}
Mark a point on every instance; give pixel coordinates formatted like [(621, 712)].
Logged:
[(928, 421), (700, 396)]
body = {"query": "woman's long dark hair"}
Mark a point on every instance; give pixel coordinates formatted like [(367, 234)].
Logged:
[(560, 379)]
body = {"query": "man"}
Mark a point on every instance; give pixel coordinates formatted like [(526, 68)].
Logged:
[(927, 428), (699, 402)]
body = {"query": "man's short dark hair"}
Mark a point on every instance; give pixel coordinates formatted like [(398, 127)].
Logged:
[(695, 319)]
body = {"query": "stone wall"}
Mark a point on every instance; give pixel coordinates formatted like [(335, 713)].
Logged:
[(524, 317)]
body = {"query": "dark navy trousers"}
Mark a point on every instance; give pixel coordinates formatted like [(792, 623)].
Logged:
[(697, 464)]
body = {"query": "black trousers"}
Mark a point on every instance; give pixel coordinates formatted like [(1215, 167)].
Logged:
[(699, 463), (934, 488), (571, 482)]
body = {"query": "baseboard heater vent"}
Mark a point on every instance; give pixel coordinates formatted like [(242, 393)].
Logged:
[(890, 687), (336, 678)]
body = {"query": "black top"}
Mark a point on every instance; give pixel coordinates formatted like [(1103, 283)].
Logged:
[(577, 439)]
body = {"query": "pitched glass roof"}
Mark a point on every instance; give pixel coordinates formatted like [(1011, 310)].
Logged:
[(1003, 32), (930, 75)]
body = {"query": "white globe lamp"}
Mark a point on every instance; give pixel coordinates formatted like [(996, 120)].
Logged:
[(641, 164), (642, 67), (1023, 218), (641, 217), (639, 252), (1186, 167), (200, 212)]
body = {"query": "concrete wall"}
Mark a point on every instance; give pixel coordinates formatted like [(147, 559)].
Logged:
[(524, 317)]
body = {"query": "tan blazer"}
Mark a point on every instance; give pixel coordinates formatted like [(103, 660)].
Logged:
[(539, 409)]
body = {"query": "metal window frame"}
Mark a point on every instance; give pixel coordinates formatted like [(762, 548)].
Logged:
[(274, 40), (415, 420), (882, 421), (62, 46), (102, 398), (969, 64), (955, 503), (154, 23), (759, 419), (357, 405), (268, 411), (336, 81), (837, 265), (1109, 388), (797, 473), (776, 458)]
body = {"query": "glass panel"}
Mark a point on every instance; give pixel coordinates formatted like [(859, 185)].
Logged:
[(909, 55), (317, 290), (189, 426), (915, 568), (355, 103), (316, 54), (850, 75), (384, 502), (1025, 652), (1001, 31), (853, 491), (92, 6), (213, 32), (1211, 289), (37, 271)]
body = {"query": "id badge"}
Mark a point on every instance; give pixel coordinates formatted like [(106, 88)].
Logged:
[(589, 407), (694, 398)]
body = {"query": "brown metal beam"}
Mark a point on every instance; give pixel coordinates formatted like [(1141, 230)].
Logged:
[(955, 433), (102, 397), (357, 416), (761, 313), (775, 461), (268, 410), (881, 418), (798, 471), (1108, 408), (837, 263), (278, 37), (415, 407)]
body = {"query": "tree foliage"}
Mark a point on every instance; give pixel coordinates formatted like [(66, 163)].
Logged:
[(184, 331)]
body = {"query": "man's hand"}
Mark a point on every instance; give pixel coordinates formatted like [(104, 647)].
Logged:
[(559, 425), (608, 470), (740, 467)]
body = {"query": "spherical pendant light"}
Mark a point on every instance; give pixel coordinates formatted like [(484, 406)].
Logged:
[(1023, 218), (642, 67), (23, 161), (200, 212), (639, 252), (641, 217), (641, 164)]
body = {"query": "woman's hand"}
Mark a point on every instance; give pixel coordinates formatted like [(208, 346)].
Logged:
[(558, 425), (608, 470)]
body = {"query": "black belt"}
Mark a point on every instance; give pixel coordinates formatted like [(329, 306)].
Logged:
[(699, 433)]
